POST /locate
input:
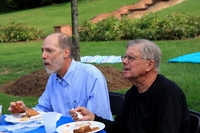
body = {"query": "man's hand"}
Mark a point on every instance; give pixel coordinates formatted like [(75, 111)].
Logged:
[(86, 114), (17, 107)]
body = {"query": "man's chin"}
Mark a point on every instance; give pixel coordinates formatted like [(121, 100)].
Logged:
[(127, 76), (49, 71)]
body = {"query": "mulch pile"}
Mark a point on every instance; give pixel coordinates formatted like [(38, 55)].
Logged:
[(34, 84)]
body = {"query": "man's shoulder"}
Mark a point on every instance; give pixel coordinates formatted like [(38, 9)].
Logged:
[(165, 81), (87, 67), (166, 85)]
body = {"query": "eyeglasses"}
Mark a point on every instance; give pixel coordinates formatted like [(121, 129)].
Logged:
[(129, 58)]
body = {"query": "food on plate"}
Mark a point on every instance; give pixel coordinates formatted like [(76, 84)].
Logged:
[(17, 108), (29, 113), (84, 128), (24, 119), (95, 128)]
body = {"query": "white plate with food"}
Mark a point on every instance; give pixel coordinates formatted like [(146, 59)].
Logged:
[(81, 126), (23, 117)]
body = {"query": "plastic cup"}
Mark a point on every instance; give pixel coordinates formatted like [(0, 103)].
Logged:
[(0, 112), (49, 121)]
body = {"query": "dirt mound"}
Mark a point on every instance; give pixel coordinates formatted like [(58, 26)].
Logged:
[(34, 84)]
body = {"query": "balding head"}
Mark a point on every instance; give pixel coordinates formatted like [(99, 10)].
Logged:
[(60, 39)]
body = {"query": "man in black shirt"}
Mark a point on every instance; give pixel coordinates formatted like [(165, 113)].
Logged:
[(154, 104)]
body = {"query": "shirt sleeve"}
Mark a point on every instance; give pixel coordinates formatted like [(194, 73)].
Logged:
[(168, 115), (98, 101), (44, 101)]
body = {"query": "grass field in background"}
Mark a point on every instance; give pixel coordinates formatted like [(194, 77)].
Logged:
[(186, 7), (21, 58), (59, 14)]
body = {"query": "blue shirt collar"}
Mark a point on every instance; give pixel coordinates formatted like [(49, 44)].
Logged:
[(69, 74)]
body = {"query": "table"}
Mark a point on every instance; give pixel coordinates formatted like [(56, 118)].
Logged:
[(61, 121)]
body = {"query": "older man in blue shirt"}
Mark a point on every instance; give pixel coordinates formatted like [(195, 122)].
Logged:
[(71, 83)]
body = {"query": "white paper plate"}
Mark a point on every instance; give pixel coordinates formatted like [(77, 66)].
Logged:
[(69, 127), (16, 118)]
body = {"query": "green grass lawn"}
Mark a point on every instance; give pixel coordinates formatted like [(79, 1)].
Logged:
[(21, 58), (59, 14), (187, 6)]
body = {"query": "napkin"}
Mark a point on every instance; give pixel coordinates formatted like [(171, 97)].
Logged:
[(25, 127)]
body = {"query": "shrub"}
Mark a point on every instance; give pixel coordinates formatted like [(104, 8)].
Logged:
[(175, 26), (106, 30), (18, 32)]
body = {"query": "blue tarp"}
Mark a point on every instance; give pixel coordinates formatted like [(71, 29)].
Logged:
[(189, 58)]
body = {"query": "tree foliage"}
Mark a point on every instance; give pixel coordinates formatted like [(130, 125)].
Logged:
[(14, 5)]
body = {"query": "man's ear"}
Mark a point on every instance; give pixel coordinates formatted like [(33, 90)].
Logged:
[(66, 52), (150, 65)]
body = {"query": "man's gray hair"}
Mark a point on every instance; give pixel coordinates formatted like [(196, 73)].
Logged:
[(149, 51), (65, 42)]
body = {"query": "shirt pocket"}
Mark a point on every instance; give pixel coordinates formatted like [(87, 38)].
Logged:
[(79, 102)]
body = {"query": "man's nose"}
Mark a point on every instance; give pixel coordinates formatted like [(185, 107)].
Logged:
[(44, 55)]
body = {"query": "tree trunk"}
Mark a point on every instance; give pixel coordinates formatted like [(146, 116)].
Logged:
[(75, 32)]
